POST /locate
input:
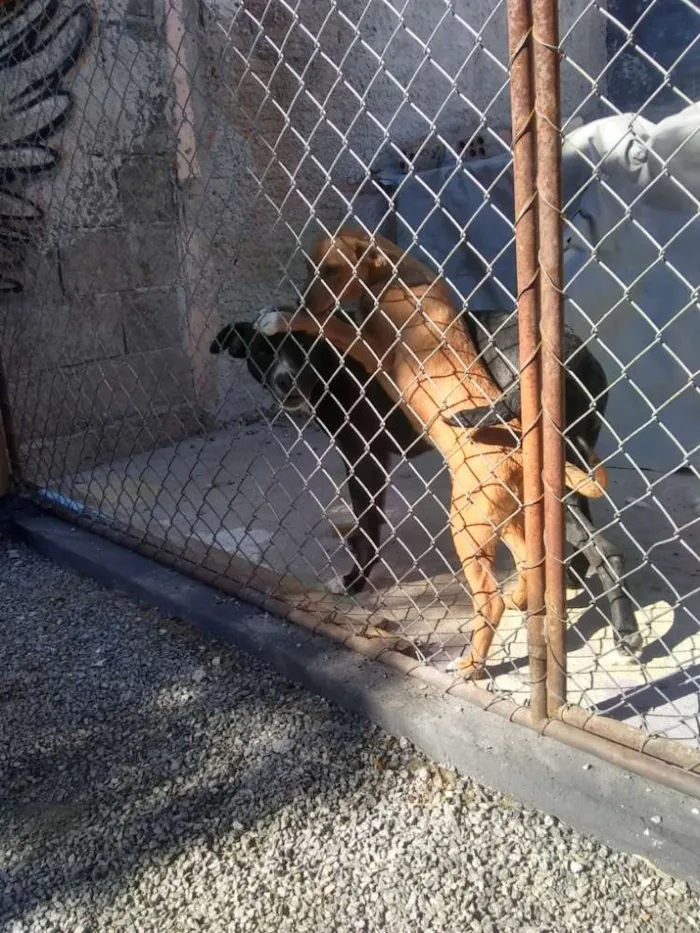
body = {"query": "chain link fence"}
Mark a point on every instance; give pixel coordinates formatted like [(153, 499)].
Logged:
[(167, 170)]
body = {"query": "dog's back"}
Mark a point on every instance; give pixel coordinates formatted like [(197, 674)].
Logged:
[(344, 397), (495, 335)]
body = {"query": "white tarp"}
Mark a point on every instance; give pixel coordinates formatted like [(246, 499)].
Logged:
[(632, 266)]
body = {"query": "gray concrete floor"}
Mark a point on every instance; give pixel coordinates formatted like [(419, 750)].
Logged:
[(276, 497)]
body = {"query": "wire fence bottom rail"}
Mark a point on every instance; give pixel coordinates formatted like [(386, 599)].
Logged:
[(652, 757)]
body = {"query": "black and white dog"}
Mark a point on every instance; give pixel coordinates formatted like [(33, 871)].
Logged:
[(367, 428)]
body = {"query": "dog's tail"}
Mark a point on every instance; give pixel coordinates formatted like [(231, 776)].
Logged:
[(589, 480), (487, 416), (590, 483)]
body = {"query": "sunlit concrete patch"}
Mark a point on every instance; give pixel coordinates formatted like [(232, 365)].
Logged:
[(277, 498), (251, 543)]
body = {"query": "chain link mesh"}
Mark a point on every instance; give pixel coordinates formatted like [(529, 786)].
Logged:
[(166, 171)]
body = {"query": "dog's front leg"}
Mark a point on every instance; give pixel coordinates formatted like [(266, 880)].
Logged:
[(367, 484)]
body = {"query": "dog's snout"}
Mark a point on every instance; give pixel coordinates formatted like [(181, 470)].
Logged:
[(283, 382)]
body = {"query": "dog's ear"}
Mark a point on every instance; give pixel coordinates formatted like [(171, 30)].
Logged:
[(235, 338), (369, 254), (377, 261)]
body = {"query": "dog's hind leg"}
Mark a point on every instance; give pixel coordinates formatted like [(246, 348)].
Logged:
[(475, 541), (607, 562), (513, 535)]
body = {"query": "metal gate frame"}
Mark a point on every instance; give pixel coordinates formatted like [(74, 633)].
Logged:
[(534, 62), (535, 85), (534, 70)]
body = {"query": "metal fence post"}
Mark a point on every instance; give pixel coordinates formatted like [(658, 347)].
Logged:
[(522, 95), (547, 101)]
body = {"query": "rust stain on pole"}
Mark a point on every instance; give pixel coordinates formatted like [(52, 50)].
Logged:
[(522, 97), (545, 21)]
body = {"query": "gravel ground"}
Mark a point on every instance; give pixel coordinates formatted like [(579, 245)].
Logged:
[(154, 781)]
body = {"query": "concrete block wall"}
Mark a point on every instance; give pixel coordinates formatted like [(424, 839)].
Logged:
[(93, 345)]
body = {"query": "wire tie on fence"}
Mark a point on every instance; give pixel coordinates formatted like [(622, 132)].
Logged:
[(526, 207), (559, 289), (525, 128), (529, 34), (547, 45)]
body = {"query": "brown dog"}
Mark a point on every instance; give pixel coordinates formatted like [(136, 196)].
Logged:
[(410, 335)]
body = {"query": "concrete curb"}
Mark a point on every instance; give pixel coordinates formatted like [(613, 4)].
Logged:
[(619, 808)]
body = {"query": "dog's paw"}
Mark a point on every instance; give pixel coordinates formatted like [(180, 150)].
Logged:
[(629, 645), (337, 587), (270, 322), (469, 668), (352, 583)]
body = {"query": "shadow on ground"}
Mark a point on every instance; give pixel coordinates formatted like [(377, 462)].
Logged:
[(126, 739)]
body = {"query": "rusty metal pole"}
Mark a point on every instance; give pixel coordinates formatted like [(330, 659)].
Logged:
[(545, 22), (522, 98)]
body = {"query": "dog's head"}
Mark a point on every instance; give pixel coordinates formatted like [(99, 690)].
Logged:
[(344, 267), (280, 363)]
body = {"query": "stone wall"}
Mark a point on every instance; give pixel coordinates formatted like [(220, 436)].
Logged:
[(92, 339)]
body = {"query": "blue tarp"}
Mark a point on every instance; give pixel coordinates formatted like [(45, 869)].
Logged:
[(632, 190)]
